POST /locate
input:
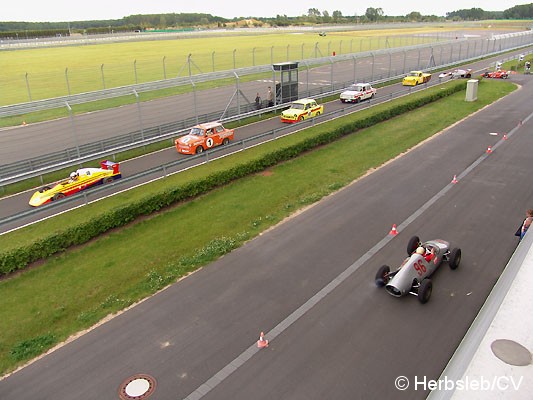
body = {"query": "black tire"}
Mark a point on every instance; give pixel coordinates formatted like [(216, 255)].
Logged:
[(58, 196), (454, 259), (301, 118), (199, 150), (107, 180), (381, 276), (468, 75), (357, 100), (317, 114), (372, 96), (424, 291), (225, 141), (412, 245)]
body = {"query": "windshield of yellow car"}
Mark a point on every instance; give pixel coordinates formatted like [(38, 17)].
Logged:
[(298, 106), (413, 74)]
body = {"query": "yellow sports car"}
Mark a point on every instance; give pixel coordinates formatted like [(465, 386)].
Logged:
[(81, 179), (302, 109)]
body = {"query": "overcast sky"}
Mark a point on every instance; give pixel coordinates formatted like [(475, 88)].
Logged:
[(71, 10)]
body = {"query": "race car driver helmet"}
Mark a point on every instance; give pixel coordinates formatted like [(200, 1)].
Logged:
[(73, 175), (420, 250)]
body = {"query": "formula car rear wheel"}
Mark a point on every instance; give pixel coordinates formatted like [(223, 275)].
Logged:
[(455, 258), (381, 276), (412, 245), (424, 291)]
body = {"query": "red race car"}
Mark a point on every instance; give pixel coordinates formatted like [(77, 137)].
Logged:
[(501, 74)]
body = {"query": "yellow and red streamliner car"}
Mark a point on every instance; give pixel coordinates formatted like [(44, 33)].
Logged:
[(81, 179)]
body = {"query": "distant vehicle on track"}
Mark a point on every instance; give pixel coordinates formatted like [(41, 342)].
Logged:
[(203, 137), (79, 180), (357, 92), (302, 109), (457, 73), (499, 74), (413, 275), (416, 78)]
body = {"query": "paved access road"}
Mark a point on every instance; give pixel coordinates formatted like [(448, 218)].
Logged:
[(308, 284)]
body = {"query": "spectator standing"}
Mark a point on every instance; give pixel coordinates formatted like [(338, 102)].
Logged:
[(257, 101), (527, 222), (270, 97)]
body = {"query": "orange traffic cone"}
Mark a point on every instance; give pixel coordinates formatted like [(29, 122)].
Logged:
[(262, 342), (454, 180), (489, 150), (393, 231)]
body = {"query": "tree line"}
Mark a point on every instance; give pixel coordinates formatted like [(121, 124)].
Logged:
[(142, 22)]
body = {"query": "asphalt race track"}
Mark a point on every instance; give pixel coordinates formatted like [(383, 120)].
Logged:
[(308, 284)]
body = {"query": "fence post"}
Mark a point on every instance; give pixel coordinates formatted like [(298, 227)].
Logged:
[(164, 68), (102, 73), (253, 57), (194, 101), (66, 79), (71, 117), (213, 60), (139, 112), (234, 64), (238, 91), (135, 70), (28, 86)]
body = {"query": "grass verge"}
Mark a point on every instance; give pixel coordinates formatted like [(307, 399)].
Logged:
[(72, 291)]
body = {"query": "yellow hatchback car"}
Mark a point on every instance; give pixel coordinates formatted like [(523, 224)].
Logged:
[(302, 109)]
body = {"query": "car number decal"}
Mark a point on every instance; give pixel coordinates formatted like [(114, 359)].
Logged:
[(419, 267), (209, 142)]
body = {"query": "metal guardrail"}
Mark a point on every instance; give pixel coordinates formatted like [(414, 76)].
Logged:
[(205, 157)]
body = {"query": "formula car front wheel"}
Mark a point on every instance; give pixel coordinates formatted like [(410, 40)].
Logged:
[(455, 258), (412, 245), (424, 291), (58, 196), (382, 276)]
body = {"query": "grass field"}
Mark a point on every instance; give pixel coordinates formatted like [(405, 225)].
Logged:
[(51, 72), (68, 293)]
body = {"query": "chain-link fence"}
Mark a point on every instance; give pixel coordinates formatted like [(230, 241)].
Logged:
[(64, 80)]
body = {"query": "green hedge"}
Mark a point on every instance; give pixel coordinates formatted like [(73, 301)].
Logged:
[(20, 257)]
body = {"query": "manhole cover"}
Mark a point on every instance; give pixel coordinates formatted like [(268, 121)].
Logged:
[(137, 387), (511, 352)]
